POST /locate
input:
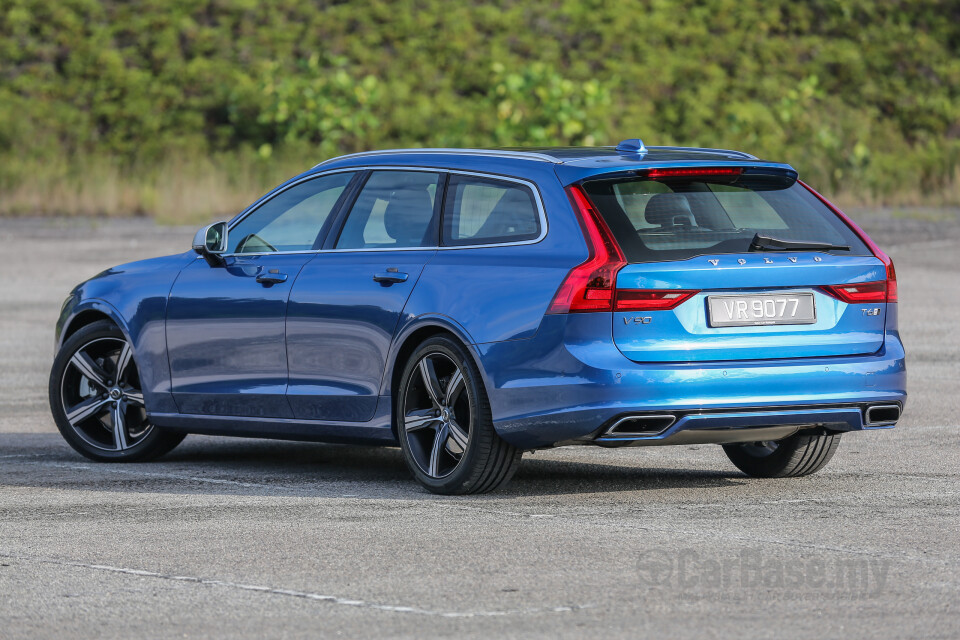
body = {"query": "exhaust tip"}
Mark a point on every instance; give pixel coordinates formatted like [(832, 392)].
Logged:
[(641, 426), (882, 414)]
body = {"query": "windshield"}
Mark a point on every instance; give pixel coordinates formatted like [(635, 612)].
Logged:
[(676, 219)]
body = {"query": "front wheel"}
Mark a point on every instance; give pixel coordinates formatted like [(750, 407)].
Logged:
[(97, 400), (798, 455), (444, 423)]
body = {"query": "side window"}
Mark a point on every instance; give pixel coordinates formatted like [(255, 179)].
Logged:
[(394, 209), (487, 211), (291, 220)]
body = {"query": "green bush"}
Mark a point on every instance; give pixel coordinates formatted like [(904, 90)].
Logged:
[(861, 96)]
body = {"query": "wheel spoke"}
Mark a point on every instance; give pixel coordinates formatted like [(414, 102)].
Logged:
[(85, 409), (439, 441), (458, 435), (453, 387), (430, 380), (133, 396), (90, 369), (420, 419), (119, 426), (126, 354)]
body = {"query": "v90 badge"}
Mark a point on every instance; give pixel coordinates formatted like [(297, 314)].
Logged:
[(638, 320)]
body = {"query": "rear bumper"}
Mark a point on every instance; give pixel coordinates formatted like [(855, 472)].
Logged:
[(564, 385)]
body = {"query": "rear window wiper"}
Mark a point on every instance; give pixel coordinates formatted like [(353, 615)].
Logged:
[(766, 243)]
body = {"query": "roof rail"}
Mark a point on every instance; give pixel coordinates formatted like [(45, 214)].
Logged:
[(500, 153)]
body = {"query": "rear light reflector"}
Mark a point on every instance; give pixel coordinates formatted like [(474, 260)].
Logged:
[(652, 299), (862, 292), (591, 285), (693, 172)]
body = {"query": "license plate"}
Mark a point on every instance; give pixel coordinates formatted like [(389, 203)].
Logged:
[(761, 309)]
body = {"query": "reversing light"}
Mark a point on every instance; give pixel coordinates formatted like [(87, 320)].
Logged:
[(687, 172)]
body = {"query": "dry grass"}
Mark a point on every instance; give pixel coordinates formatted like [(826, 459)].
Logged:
[(174, 191), (195, 190)]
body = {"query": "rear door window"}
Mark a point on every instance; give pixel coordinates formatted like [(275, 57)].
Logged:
[(395, 209), (676, 219), (481, 210)]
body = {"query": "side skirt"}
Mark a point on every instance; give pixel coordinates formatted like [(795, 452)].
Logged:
[(377, 431)]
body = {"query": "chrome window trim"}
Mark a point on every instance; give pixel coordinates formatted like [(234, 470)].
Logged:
[(495, 153), (491, 176)]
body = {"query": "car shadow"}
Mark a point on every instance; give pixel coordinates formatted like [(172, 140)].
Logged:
[(239, 466)]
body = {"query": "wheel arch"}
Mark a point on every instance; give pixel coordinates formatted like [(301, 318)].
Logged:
[(414, 333), (87, 313)]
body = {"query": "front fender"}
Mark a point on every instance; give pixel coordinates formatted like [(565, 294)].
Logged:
[(75, 307), (134, 296)]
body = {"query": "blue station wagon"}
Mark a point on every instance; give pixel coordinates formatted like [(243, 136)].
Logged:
[(470, 305)]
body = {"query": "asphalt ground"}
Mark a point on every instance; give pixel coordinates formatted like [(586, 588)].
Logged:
[(252, 538)]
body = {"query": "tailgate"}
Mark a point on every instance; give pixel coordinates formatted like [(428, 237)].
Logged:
[(688, 334)]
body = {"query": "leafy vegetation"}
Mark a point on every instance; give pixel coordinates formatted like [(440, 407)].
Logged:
[(187, 108)]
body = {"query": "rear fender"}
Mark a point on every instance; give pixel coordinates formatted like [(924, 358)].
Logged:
[(427, 323)]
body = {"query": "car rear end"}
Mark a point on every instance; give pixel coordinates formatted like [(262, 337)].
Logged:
[(724, 302)]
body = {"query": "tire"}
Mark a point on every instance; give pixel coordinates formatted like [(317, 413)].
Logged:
[(798, 455), (87, 396), (445, 427)]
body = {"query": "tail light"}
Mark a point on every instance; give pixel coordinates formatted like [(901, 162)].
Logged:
[(891, 280), (856, 293), (591, 285), (890, 285), (652, 299)]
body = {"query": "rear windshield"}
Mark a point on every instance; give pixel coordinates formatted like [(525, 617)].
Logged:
[(676, 219)]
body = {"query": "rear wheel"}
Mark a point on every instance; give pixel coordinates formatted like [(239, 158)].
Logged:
[(97, 400), (798, 455), (444, 423)]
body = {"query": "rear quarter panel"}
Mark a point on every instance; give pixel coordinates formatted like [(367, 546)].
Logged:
[(500, 293)]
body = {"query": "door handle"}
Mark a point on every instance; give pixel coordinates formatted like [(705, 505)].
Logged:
[(272, 278), (390, 277)]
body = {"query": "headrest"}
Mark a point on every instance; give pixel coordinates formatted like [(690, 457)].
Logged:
[(407, 216), (664, 209), (510, 216)]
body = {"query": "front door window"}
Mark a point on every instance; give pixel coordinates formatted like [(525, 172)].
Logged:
[(291, 220)]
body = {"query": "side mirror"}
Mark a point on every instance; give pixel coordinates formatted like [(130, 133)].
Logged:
[(210, 242)]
